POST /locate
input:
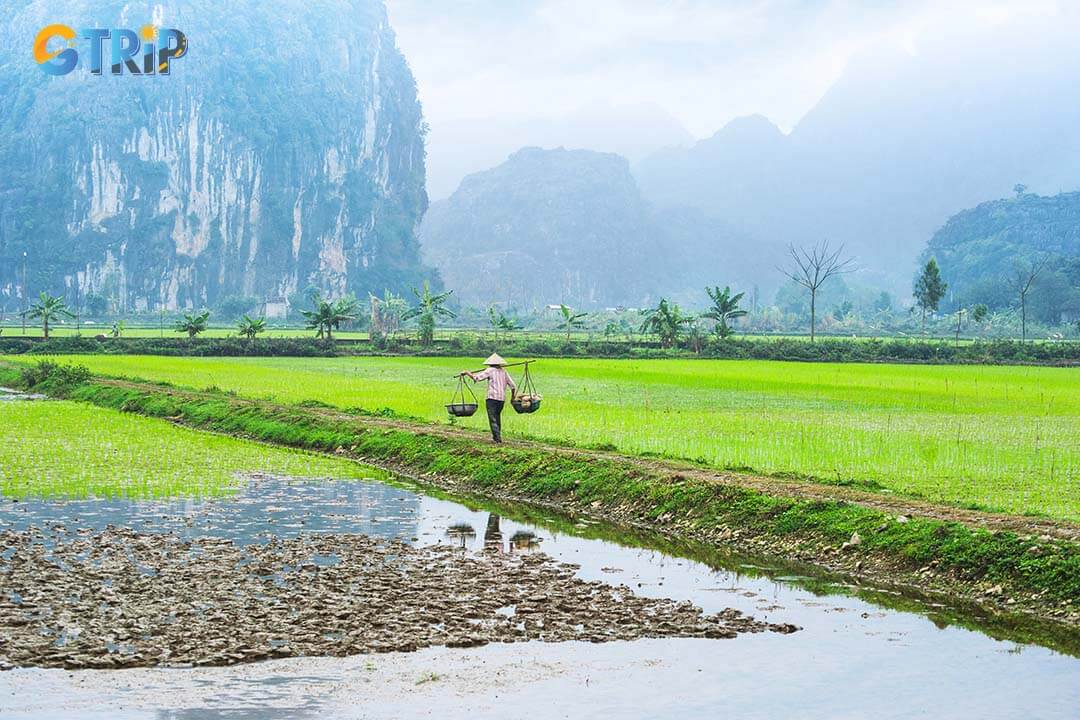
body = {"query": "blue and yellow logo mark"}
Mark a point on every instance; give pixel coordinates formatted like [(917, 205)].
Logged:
[(150, 51)]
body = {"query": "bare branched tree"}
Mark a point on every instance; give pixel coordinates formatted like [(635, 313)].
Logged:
[(1021, 280), (812, 267)]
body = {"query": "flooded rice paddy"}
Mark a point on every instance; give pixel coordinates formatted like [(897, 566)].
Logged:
[(851, 658)]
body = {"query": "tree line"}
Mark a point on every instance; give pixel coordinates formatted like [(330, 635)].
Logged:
[(929, 289), (809, 267)]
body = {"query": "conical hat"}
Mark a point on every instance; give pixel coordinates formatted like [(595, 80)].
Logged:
[(495, 360)]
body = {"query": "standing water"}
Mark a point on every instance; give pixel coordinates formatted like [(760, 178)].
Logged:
[(854, 656)]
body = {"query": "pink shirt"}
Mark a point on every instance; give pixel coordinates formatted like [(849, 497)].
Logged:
[(497, 379)]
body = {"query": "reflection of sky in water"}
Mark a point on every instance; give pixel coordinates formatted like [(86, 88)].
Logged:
[(267, 506), (853, 659)]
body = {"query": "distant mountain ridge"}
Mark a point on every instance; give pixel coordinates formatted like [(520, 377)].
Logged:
[(546, 226), (980, 247), (898, 145), (570, 226), (463, 146)]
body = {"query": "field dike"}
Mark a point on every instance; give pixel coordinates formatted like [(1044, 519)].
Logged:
[(1017, 573)]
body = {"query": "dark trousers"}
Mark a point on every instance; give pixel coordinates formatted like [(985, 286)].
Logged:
[(494, 410)]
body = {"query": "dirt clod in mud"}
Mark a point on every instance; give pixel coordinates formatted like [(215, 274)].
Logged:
[(120, 598)]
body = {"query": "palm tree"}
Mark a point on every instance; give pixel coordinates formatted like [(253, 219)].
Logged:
[(666, 322), (725, 307), (249, 328), (328, 316), (49, 308), (429, 306), (571, 320), (192, 324)]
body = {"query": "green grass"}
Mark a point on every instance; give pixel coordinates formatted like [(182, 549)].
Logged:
[(1002, 438), (67, 449), (620, 489)]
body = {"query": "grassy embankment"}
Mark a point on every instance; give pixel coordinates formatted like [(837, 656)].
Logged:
[(997, 438), (1041, 573)]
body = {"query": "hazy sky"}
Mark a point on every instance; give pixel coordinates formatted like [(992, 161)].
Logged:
[(495, 75)]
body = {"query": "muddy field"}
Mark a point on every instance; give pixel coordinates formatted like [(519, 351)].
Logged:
[(121, 598), (844, 639)]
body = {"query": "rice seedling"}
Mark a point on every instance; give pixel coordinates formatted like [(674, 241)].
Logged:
[(1002, 438), (71, 450)]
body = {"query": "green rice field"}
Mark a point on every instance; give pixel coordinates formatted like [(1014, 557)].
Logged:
[(64, 449), (1002, 438)]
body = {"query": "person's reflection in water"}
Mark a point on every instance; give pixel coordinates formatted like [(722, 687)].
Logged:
[(493, 537)]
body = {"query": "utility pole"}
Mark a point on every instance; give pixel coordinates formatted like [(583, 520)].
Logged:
[(24, 293), (78, 308)]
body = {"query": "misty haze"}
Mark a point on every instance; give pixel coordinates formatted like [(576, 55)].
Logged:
[(539, 359)]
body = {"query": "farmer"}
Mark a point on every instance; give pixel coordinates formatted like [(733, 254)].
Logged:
[(497, 380)]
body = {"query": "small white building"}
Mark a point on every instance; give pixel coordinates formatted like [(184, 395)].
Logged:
[(275, 308)]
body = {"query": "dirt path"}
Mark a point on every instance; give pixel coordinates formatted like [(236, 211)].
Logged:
[(1023, 525)]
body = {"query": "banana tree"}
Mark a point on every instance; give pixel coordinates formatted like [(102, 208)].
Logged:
[(193, 324), (428, 308), (571, 320), (249, 327), (386, 314), (666, 321), (328, 316), (725, 307)]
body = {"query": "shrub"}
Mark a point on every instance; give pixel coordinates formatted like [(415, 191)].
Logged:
[(824, 350), (54, 376)]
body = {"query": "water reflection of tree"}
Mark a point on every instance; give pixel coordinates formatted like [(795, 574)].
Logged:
[(523, 541), (462, 532), (520, 541)]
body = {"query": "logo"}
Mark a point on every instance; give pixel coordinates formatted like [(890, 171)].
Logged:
[(150, 51)]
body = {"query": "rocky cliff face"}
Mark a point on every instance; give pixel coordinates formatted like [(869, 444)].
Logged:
[(285, 150)]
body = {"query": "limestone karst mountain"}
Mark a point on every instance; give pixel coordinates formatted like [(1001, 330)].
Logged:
[(570, 226), (285, 150), (899, 144)]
